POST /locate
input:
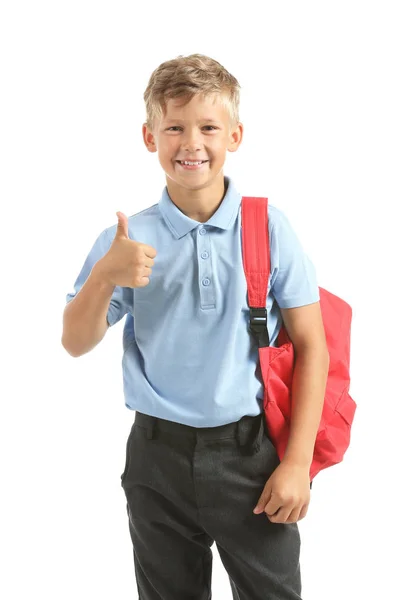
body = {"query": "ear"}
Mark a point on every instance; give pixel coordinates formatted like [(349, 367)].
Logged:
[(149, 139), (235, 137)]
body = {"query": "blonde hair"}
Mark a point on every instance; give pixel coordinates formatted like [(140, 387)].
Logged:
[(186, 76)]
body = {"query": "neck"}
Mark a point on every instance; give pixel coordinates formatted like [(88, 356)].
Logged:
[(200, 203)]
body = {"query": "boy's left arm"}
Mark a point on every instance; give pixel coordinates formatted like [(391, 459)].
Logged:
[(305, 328), (286, 495)]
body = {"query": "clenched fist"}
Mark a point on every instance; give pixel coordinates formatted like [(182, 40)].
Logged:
[(127, 263)]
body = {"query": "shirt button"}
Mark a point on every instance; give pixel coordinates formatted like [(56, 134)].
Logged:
[(205, 254), (206, 281), (202, 231)]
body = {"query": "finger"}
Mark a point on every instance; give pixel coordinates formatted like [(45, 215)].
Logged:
[(150, 251), (294, 515), (282, 515), (273, 506)]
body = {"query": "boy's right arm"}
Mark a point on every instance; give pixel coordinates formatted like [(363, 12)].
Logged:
[(85, 317)]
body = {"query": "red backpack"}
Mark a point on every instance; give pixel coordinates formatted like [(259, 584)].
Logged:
[(277, 363)]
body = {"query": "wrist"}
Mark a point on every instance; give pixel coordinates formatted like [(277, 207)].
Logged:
[(101, 275), (297, 461)]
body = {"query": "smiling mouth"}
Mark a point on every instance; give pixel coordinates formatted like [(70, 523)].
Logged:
[(182, 162), (193, 167)]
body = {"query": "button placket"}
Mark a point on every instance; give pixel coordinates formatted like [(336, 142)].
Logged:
[(205, 268)]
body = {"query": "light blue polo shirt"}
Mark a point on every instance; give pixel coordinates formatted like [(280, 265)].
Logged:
[(188, 355)]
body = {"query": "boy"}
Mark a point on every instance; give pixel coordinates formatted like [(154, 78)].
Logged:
[(198, 457)]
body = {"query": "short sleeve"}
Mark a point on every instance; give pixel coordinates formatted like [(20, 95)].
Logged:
[(122, 298), (293, 275)]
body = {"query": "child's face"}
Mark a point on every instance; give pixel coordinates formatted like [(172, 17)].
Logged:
[(185, 133)]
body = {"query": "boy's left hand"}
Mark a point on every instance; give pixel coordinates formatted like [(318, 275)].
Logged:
[(286, 491)]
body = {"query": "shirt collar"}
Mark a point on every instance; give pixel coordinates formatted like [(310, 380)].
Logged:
[(224, 217)]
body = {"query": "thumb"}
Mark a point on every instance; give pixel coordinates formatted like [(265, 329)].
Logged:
[(122, 227), (260, 507)]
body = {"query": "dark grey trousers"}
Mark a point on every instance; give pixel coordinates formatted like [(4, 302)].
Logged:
[(187, 487)]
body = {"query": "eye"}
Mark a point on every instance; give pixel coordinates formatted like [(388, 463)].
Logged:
[(177, 127)]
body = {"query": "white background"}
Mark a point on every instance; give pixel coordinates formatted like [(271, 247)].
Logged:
[(327, 103)]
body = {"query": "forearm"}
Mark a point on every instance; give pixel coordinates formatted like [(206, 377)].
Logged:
[(307, 399), (85, 317)]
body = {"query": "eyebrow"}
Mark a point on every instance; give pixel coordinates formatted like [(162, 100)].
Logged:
[(200, 120)]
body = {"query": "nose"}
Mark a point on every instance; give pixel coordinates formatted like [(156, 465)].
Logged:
[(192, 139)]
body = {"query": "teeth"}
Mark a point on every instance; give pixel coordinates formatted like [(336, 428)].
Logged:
[(186, 162)]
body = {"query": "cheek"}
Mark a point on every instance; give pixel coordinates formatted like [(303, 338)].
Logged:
[(166, 154), (219, 145)]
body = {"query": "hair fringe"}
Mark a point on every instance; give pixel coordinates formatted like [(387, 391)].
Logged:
[(186, 76)]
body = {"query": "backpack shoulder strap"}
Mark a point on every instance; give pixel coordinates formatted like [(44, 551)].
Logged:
[(255, 248)]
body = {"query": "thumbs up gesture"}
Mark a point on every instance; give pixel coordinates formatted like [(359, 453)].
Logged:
[(127, 263)]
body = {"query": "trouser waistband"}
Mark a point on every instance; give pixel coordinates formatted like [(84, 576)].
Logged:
[(248, 431)]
